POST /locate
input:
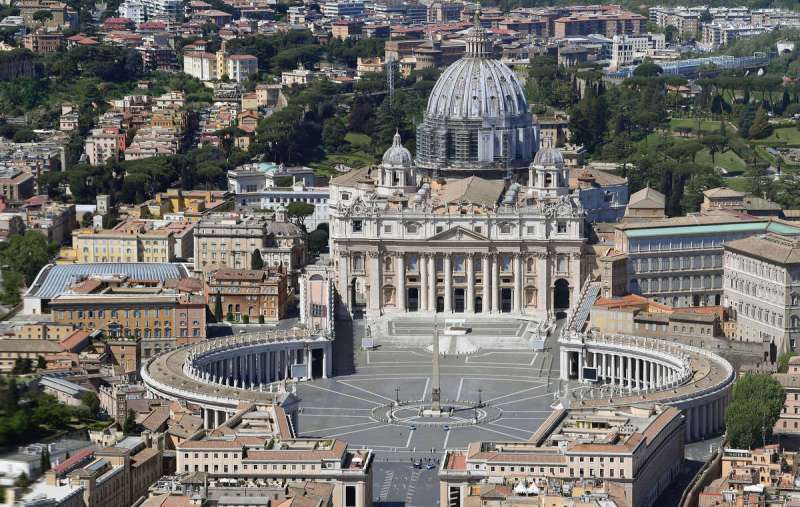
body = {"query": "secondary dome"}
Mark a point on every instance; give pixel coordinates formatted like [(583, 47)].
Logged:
[(477, 118), (397, 155), (549, 157)]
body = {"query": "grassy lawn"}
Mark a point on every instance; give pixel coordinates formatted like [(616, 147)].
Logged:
[(729, 160), (740, 183), (355, 160), (786, 136), (705, 125), (361, 141)]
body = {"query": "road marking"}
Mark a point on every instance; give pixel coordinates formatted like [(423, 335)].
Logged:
[(523, 399), (387, 484), (334, 408), (344, 427), (342, 394), (348, 416), (446, 438), (379, 425), (364, 390), (425, 389), (495, 423), (487, 428), (460, 385), (408, 442), (515, 393)]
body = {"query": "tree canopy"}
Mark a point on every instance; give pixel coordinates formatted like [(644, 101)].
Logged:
[(756, 403)]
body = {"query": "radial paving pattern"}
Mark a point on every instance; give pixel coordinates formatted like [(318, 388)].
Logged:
[(514, 385)]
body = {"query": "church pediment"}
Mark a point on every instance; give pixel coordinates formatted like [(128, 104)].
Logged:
[(458, 234)]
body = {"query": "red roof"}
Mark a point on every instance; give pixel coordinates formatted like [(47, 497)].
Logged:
[(73, 461), (117, 21), (73, 341), (152, 25)]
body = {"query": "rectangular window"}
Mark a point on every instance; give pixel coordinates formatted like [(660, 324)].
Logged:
[(562, 227), (358, 225)]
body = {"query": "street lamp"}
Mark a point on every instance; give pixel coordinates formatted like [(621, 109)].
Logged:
[(480, 402), (397, 395)]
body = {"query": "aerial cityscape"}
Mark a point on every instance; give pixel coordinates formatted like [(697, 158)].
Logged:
[(399, 253)]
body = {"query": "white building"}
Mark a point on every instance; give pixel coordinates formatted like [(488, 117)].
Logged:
[(200, 64), (133, 10), (626, 49), (241, 67), (101, 145), (762, 289), (342, 9)]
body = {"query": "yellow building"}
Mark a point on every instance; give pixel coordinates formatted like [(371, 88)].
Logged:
[(123, 246)]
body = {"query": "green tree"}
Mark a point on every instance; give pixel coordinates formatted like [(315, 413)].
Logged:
[(256, 262), (783, 361), (26, 254), (42, 16), (648, 69), (91, 403), (129, 425), (317, 241), (760, 127), (333, 135), (755, 406), (298, 211), (13, 395), (218, 307), (41, 363), (22, 366), (44, 462), (22, 481), (12, 281)]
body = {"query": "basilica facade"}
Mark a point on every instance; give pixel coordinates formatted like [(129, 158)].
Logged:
[(481, 222)]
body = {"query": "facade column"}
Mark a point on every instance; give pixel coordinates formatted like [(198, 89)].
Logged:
[(448, 284), (518, 283), (344, 281), (216, 418), (487, 283), (308, 364), (580, 366), (325, 362), (605, 370), (432, 283), (423, 282), (374, 267), (470, 285), (635, 373), (206, 419), (495, 283), (401, 282)]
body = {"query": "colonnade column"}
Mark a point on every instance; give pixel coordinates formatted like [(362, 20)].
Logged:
[(518, 283), (487, 284), (448, 284), (495, 284), (401, 282), (432, 282), (605, 369), (423, 282), (470, 266)]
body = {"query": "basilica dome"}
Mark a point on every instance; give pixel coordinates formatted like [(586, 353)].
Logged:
[(549, 157), (477, 88), (477, 119), (397, 155)]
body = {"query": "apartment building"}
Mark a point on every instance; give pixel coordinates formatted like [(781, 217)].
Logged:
[(247, 295), (104, 144), (230, 240), (627, 49), (161, 320), (686, 20), (604, 22), (39, 42), (789, 421), (116, 476), (241, 67), (630, 455), (762, 288), (15, 185), (257, 443), (135, 243)]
